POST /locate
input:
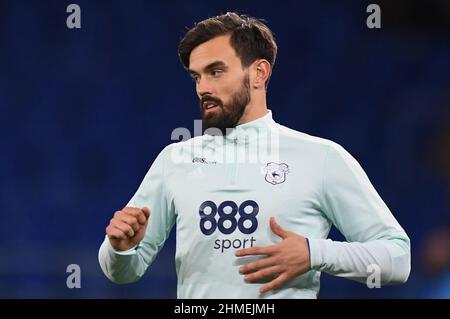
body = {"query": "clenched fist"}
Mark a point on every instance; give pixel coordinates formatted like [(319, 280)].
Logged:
[(127, 228)]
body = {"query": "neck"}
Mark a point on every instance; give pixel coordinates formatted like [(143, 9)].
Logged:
[(254, 110)]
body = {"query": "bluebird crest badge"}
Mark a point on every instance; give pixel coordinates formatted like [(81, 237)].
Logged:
[(276, 172)]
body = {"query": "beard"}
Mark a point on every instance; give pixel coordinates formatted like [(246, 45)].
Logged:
[(229, 114)]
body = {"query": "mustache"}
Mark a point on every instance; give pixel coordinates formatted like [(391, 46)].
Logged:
[(210, 98)]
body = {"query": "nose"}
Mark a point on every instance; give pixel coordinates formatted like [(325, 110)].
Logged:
[(203, 87)]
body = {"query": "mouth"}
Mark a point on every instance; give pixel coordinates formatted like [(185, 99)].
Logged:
[(209, 105)]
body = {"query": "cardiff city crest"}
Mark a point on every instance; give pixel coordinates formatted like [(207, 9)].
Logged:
[(276, 173)]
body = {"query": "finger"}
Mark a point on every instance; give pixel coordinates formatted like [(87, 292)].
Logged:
[(277, 229), (125, 228), (255, 251), (130, 220), (137, 213), (256, 265), (274, 283), (115, 233), (263, 273)]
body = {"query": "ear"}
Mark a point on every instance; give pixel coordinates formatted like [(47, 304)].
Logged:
[(262, 71)]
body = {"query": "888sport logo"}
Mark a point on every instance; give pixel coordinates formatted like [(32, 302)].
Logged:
[(227, 218)]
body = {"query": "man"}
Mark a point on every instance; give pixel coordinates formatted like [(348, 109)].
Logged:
[(252, 227)]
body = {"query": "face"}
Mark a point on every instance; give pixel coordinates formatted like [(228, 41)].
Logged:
[(222, 85)]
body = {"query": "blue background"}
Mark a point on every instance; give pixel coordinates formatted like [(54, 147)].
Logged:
[(83, 114)]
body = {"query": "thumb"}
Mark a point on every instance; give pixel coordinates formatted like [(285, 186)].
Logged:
[(276, 229), (146, 212)]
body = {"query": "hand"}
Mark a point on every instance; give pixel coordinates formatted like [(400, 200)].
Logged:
[(127, 228), (285, 260)]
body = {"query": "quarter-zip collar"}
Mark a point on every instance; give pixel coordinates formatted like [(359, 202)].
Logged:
[(245, 133)]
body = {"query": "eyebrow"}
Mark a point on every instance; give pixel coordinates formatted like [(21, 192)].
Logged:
[(211, 66)]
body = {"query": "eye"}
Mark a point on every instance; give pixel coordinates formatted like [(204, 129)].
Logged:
[(194, 77), (216, 72)]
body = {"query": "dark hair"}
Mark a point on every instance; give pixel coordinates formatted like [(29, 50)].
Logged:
[(250, 38)]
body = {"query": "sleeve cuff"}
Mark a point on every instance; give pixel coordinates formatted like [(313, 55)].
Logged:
[(317, 251), (131, 251)]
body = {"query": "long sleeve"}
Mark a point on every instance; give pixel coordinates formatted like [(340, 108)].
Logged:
[(129, 266), (375, 238)]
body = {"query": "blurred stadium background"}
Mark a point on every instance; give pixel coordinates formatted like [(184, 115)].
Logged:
[(83, 113)]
